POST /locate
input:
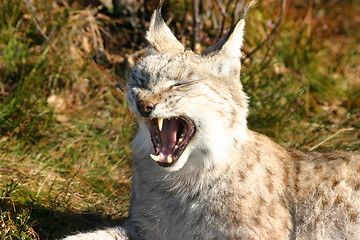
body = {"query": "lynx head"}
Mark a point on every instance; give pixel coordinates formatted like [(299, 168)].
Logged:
[(191, 107)]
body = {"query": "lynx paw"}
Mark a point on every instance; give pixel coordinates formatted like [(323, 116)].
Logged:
[(107, 234)]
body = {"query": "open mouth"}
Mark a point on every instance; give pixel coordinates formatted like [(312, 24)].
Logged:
[(170, 137)]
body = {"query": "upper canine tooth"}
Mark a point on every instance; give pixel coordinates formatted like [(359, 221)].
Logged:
[(160, 123), (155, 158)]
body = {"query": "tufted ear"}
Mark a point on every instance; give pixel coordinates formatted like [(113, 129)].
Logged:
[(230, 45), (160, 36)]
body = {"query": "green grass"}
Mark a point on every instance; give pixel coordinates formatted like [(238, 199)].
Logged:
[(65, 130), (301, 92)]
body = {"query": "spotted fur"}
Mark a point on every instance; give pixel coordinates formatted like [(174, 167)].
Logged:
[(230, 182)]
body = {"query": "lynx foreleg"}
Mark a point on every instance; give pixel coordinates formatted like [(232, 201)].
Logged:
[(117, 233)]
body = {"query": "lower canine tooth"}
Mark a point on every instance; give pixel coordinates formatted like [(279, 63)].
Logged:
[(169, 159), (155, 158)]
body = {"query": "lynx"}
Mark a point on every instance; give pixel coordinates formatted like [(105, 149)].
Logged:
[(200, 173)]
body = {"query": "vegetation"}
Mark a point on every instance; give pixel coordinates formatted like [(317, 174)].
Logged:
[(65, 130)]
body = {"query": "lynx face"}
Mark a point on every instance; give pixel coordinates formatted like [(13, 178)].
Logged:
[(189, 103)]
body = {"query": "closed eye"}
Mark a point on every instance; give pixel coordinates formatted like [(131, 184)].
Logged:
[(182, 84)]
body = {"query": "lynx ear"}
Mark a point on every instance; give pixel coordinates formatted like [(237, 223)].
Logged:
[(230, 45), (160, 36)]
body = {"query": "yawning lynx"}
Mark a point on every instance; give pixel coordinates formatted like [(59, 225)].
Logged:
[(199, 173)]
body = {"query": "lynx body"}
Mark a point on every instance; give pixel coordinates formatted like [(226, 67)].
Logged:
[(208, 176)]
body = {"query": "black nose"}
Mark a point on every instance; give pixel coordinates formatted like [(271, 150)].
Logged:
[(145, 107)]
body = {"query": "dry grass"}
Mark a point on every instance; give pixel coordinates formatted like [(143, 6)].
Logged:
[(66, 145)]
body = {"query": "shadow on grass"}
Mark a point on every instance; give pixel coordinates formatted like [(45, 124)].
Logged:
[(52, 224)]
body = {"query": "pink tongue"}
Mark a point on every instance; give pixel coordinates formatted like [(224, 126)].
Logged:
[(168, 136)]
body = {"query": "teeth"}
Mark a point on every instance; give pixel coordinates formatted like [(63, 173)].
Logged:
[(155, 158), (176, 146), (160, 123), (180, 140), (169, 159)]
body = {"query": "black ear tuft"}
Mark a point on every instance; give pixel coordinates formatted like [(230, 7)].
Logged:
[(230, 45)]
